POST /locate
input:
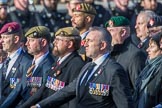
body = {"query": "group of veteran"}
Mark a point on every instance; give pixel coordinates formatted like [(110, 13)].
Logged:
[(80, 66)]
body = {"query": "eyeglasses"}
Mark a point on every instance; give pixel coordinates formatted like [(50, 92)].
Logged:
[(58, 39)]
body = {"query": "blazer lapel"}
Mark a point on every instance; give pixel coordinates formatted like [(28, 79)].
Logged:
[(58, 71), (13, 71), (99, 71)]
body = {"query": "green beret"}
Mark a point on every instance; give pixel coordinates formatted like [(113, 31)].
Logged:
[(117, 21), (85, 8), (67, 32), (39, 32)]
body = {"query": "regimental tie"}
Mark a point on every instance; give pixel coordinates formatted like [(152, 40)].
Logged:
[(30, 70), (89, 70), (5, 66)]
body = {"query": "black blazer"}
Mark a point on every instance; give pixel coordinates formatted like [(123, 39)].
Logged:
[(22, 92), (109, 73), (131, 58)]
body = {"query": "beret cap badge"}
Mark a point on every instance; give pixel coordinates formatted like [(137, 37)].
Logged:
[(78, 7), (111, 23), (9, 29)]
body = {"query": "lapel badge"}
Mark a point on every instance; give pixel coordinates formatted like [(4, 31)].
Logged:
[(58, 72), (99, 72), (13, 70)]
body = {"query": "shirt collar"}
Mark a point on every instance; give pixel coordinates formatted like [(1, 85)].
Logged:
[(40, 59), (63, 58), (100, 60), (16, 53)]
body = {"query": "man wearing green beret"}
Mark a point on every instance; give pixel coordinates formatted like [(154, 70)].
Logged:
[(102, 83), (124, 51), (82, 19), (65, 69), (38, 41)]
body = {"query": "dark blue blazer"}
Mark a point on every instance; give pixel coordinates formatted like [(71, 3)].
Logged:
[(20, 66), (22, 92)]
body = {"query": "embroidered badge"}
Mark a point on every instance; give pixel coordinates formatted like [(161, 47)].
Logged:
[(99, 89)]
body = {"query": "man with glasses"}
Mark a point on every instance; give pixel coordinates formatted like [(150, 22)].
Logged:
[(99, 86), (65, 69)]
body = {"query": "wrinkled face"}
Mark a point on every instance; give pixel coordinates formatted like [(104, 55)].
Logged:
[(60, 46), (141, 26), (8, 42), (34, 45), (153, 50), (150, 4), (3, 12), (116, 35), (78, 20), (93, 44), (52, 4)]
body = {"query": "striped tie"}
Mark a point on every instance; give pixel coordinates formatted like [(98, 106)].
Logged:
[(30, 70)]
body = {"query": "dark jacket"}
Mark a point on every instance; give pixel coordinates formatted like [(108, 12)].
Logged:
[(20, 66), (22, 91), (109, 74), (131, 58), (66, 72)]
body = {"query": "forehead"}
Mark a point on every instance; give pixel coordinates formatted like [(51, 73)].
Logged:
[(5, 35), (141, 18), (78, 13)]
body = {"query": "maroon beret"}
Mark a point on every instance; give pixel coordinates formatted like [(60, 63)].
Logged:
[(10, 28)]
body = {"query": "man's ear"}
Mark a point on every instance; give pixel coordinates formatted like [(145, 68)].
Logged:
[(43, 42), (88, 19), (123, 32), (16, 39)]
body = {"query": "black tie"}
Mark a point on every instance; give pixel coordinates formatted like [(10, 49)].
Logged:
[(5, 66), (89, 70)]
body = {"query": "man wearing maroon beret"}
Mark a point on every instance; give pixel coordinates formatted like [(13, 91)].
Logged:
[(17, 61)]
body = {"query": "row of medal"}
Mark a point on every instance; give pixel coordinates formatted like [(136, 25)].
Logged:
[(54, 83), (34, 81), (99, 89), (14, 82)]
